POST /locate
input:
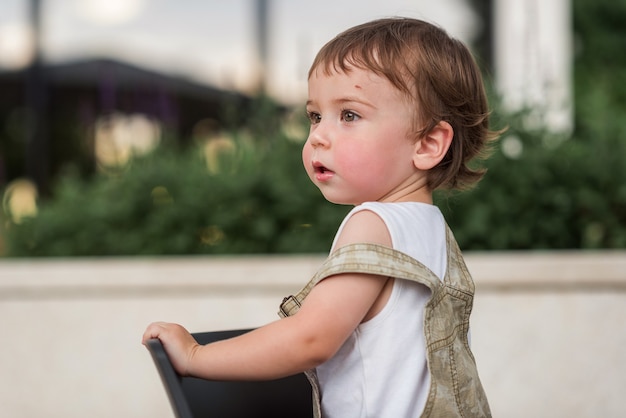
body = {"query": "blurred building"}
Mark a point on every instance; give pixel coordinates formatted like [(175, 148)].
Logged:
[(75, 98)]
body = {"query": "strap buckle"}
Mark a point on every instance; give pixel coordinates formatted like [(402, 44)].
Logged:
[(292, 302)]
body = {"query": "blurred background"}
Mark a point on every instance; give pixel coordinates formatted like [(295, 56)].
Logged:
[(149, 119), (137, 137)]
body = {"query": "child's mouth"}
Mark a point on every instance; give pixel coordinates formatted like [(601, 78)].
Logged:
[(322, 173)]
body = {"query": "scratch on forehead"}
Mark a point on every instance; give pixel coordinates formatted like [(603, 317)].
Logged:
[(358, 87)]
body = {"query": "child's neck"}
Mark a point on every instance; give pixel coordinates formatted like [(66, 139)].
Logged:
[(421, 195)]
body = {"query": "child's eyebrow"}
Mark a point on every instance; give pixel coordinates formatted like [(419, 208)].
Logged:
[(344, 100), (353, 99)]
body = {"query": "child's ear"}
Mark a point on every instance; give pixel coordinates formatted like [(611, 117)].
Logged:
[(432, 147)]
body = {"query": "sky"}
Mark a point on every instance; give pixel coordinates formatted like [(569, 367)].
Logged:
[(208, 41)]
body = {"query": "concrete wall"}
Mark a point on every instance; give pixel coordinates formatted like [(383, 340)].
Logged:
[(548, 328)]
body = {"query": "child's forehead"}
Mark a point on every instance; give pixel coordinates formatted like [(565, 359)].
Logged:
[(346, 68), (355, 83), (354, 76), (369, 61), (328, 72)]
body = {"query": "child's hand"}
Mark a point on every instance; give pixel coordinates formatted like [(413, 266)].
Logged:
[(177, 341)]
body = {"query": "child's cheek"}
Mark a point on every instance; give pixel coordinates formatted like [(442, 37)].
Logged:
[(307, 152), (349, 163), (306, 155)]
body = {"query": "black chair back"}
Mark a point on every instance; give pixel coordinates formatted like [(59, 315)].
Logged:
[(190, 397)]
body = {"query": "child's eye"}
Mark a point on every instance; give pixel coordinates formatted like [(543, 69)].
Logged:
[(314, 117), (349, 116)]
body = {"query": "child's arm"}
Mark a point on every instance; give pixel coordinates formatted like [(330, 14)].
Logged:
[(329, 314)]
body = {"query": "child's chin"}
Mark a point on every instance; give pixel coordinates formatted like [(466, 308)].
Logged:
[(339, 201)]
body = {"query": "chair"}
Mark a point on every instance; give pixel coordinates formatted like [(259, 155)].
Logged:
[(190, 397)]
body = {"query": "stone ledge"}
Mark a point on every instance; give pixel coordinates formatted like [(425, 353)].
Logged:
[(549, 270), (197, 276)]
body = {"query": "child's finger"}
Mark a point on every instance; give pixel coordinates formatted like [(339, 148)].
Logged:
[(153, 330)]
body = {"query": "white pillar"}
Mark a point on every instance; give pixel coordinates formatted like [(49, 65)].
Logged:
[(533, 59)]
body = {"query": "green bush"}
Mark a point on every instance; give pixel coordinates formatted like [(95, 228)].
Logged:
[(169, 203), (550, 193)]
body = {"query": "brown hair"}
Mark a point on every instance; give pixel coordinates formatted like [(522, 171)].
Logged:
[(436, 71)]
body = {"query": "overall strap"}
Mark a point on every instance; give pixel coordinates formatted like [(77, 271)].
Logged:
[(368, 259)]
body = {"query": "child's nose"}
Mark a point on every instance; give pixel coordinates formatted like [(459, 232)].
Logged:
[(319, 138)]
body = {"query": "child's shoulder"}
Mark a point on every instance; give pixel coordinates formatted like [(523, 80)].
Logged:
[(362, 226)]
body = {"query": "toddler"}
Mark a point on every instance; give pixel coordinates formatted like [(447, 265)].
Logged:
[(397, 110)]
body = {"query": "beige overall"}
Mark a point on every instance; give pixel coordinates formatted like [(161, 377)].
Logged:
[(455, 389)]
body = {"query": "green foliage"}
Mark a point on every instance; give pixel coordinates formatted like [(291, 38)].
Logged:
[(545, 192), (170, 203)]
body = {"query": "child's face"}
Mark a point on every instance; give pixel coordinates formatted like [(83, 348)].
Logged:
[(359, 147)]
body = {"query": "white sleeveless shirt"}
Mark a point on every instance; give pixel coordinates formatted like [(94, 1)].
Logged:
[(381, 370)]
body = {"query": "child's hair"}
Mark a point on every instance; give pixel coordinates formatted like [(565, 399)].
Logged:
[(436, 71)]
